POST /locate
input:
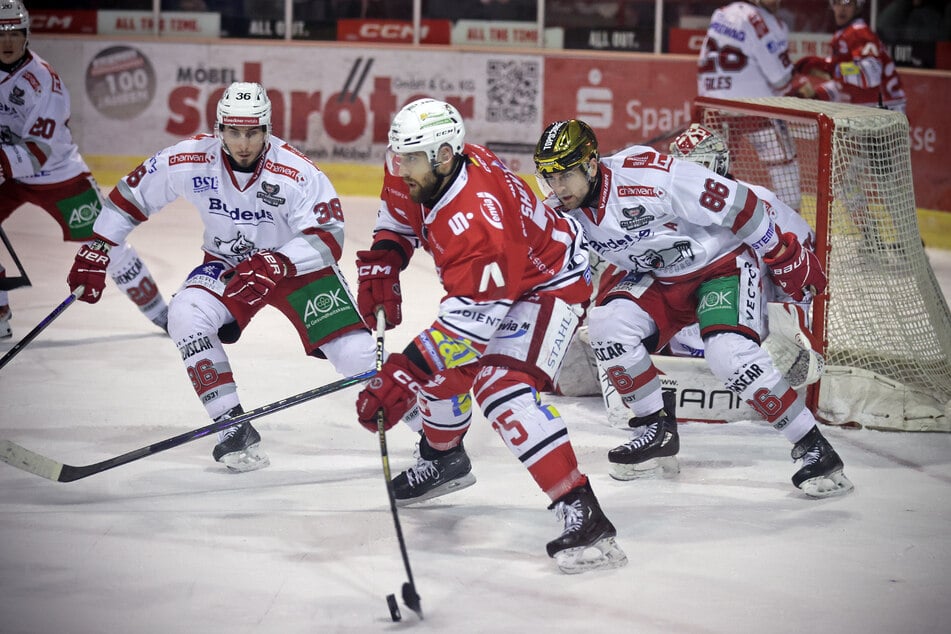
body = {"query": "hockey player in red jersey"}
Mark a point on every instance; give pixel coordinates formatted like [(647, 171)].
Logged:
[(40, 164), (859, 71), (693, 242), (515, 276), (273, 233)]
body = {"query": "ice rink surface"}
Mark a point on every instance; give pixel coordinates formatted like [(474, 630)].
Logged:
[(174, 543)]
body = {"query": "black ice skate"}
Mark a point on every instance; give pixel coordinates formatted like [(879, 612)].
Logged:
[(240, 449), (821, 473), (588, 541), (436, 473), (652, 451)]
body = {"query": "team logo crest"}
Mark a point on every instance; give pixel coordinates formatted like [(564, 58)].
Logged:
[(16, 95), (268, 194), (636, 217)]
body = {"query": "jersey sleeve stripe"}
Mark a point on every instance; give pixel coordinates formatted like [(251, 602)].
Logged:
[(125, 205)]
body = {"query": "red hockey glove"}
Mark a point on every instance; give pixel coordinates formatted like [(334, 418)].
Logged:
[(393, 390), (379, 285), (257, 276), (89, 270), (795, 268)]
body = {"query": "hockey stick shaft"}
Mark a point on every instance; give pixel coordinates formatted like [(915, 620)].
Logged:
[(30, 336), (9, 283), (21, 458), (410, 596)]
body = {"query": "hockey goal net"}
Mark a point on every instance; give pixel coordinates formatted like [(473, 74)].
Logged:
[(883, 320)]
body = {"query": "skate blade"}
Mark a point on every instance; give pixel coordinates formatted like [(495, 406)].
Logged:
[(601, 555), (655, 468), (251, 458), (452, 486), (832, 485)]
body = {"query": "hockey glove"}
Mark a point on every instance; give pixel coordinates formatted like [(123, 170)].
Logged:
[(393, 390), (379, 285), (795, 268), (257, 276), (89, 270)]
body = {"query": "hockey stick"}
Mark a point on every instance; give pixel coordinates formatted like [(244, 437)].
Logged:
[(9, 283), (21, 458), (30, 336), (410, 596)]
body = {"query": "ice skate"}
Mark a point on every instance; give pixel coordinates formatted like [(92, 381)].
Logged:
[(652, 452), (821, 473), (436, 473), (238, 447), (5, 315), (588, 540)]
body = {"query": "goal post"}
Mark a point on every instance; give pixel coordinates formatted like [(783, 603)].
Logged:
[(883, 323)]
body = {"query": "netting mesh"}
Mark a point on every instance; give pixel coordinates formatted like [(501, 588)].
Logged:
[(848, 170)]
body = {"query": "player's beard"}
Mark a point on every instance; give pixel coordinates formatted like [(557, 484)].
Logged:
[(422, 190)]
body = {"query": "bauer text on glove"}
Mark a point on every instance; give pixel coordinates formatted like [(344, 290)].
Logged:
[(794, 268), (257, 276), (89, 270)]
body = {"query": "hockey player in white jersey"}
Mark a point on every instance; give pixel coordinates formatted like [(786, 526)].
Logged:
[(273, 233), (746, 54), (695, 242), (789, 342), (40, 164)]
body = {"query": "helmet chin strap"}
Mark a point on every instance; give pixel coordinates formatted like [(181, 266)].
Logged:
[(594, 190)]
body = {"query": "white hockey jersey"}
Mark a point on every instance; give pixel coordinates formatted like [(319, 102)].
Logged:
[(36, 145), (671, 217), (287, 204), (745, 54)]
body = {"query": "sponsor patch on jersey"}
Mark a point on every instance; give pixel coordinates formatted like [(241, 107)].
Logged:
[(268, 194), (324, 307), (32, 80), (491, 209), (202, 184), (283, 170), (188, 157), (80, 213), (727, 30), (652, 160), (644, 191), (759, 25)]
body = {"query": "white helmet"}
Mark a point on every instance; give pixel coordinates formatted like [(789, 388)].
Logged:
[(701, 145), (244, 104), (14, 17), (426, 125)]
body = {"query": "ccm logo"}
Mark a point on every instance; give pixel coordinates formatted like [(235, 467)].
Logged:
[(373, 269), (397, 32)]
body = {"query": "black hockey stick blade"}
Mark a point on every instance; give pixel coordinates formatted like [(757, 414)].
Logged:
[(411, 599), (30, 336), (10, 283), (22, 279), (22, 458)]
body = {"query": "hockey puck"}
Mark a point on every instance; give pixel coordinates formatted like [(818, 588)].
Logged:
[(394, 608)]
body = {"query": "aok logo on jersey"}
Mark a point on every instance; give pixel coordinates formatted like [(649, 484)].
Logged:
[(324, 307), (80, 213)]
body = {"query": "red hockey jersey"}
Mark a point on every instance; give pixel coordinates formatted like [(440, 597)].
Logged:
[(493, 242), (861, 69)]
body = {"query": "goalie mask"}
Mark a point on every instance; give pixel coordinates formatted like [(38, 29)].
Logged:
[(14, 17), (424, 125), (703, 146)]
